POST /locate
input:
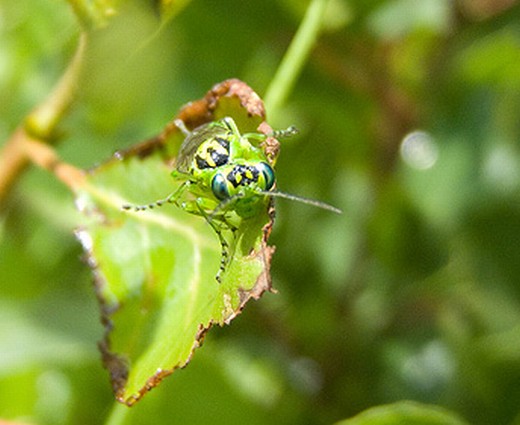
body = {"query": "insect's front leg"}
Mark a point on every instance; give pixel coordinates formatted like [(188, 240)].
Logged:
[(172, 198)]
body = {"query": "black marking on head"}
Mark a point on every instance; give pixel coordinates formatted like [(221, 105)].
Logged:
[(243, 175)]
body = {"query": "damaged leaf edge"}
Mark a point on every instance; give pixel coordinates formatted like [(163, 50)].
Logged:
[(117, 365)]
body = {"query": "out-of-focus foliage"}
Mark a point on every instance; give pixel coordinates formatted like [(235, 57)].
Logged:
[(404, 413), (408, 114)]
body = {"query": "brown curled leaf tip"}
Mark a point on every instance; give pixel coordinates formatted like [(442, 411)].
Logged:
[(202, 111), (270, 145), (249, 100), (199, 112)]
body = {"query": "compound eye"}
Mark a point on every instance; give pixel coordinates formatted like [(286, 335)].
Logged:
[(219, 186), (268, 174)]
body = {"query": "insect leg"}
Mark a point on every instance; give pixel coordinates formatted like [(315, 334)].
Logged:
[(224, 244), (171, 199)]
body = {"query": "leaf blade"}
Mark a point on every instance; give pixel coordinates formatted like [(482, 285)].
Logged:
[(156, 275)]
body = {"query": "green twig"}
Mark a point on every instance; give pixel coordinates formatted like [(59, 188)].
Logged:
[(40, 125), (42, 121), (295, 57)]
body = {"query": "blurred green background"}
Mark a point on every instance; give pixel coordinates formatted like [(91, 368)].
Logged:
[(409, 121)]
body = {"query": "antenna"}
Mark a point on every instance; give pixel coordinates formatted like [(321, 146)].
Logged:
[(307, 201), (288, 132)]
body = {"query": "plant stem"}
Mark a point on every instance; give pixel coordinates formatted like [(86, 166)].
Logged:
[(295, 57), (118, 414), (43, 120), (40, 124)]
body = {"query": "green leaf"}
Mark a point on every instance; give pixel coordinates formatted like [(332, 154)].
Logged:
[(155, 273), (405, 413), (155, 270)]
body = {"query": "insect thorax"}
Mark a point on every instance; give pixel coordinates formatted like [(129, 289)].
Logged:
[(212, 154), (225, 168)]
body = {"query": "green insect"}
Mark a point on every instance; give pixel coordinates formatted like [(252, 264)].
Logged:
[(228, 179)]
